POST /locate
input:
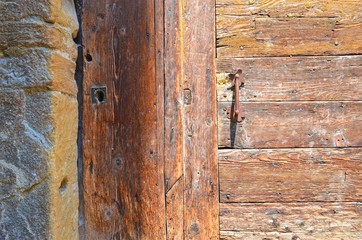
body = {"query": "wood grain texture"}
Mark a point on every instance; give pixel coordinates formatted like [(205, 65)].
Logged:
[(175, 211), (293, 78), (173, 94), (200, 136), (291, 221), (290, 175), (292, 124), (123, 137), (288, 27)]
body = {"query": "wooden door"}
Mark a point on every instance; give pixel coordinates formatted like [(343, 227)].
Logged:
[(149, 156), (292, 168), (123, 129)]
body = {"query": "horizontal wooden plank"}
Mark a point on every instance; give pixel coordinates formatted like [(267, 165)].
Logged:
[(235, 235), (232, 235), (293, 78), (290, 175), (292, 124), (288, 27), (347, 11), (291, 221)]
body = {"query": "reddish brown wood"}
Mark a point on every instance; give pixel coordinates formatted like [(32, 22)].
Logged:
[(290, 175), (293, 78), (123, 138), (199, 93), (293, 124)]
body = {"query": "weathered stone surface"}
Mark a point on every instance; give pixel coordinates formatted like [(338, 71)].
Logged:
[(24, 170), (63, 167), (51, 11), (38, 120), (34, 34), (38, 67)]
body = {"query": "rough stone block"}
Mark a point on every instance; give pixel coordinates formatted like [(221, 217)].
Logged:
[(15, 35), (38, 120), (51, 11), (38, 67)]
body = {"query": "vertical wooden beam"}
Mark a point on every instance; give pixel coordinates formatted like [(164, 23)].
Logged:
[(200, 124), (173, 120), (123, 136), (190, 164)]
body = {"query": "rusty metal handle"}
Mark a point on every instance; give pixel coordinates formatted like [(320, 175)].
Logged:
[(236, 86), (234, 113)]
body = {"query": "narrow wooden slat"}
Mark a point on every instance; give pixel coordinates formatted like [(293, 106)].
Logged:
[(282, 28), (200, 136), (173, 94), (293, 79), (292, 124), (290, 175), (175, 211), (291, 221), (123, 137)]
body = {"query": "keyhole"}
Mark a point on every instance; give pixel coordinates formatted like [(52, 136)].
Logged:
[(99, 94)]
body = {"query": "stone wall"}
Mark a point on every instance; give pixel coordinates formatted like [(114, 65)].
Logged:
[(38, 120)]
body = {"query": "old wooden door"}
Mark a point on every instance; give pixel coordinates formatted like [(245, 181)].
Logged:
[(123, 131), (149, 163), (292, 168)]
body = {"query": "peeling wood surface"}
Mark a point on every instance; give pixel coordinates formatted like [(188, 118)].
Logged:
[(123, 137), (288, 27), (291, 221), (293, 124), (290, 175), (293, 78)]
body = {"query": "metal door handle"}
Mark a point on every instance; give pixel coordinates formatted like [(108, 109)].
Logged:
[(235, 112)]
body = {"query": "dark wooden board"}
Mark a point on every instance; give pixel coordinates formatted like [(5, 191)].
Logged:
[(293, 78), (290, 175), (123, 138), (291, 221), (292, 124), (283, 28)]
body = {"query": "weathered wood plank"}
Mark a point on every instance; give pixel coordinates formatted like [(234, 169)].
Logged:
[(282, 28), (175, 211), (200, 136), (123, 137), (290, 175), (235, 235), (291, 221), (347, 11), (174, 182), (293, 79), (292, 124), (173, 94)]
